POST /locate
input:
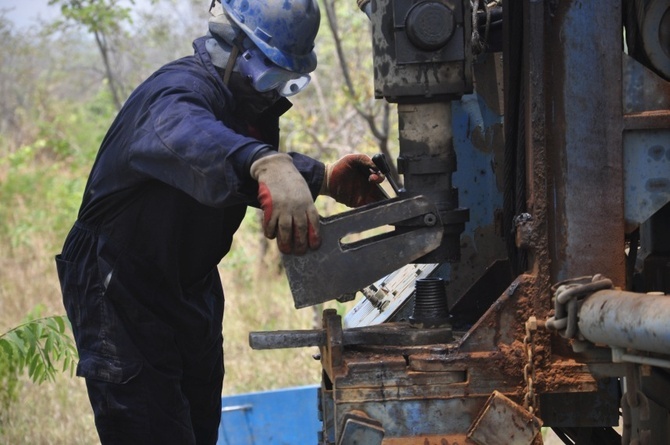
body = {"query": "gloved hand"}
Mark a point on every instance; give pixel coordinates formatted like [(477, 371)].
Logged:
[(288, 208), (352, 181)]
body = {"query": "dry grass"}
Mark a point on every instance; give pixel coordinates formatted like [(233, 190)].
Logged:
[(257, 299), (264, 307), (54, 412), (32, 230)]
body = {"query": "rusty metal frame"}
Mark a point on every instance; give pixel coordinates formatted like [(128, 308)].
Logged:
[(574, 120), (449, 384)]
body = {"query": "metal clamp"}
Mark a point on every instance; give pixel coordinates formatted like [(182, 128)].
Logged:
[(567, 295)]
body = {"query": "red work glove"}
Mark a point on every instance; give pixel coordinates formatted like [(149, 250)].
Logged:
[(288, 208), (353, 180)]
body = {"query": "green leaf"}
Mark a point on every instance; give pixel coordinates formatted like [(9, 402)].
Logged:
[(61, 324), (17, 342), (37, 346), (48, 345), (32, 366), (7, 347)]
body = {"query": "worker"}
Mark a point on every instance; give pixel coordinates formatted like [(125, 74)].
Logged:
[(193, 146)]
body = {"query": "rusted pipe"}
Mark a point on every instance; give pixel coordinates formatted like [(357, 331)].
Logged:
[(627, 320)]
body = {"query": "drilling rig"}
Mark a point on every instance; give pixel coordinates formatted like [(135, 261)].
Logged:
[(524, 286)]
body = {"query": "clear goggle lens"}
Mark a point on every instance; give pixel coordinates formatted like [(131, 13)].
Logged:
[(266, 76), (294, 86)]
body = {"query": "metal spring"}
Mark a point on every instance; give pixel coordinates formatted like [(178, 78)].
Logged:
[(430, 300)]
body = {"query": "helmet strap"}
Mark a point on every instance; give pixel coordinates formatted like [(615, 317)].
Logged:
[(230, 65), (235, 51)]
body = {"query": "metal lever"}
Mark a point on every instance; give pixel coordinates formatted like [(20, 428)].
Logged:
[(342, 267), (388, 334), (380, 161)]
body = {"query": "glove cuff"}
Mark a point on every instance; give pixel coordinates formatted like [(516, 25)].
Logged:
[(258, 153), (269, 162), (326, 179)]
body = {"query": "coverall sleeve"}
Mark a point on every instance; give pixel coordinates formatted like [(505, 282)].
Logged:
[(181, 139)]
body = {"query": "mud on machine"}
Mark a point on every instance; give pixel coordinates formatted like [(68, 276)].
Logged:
[(525, 287)]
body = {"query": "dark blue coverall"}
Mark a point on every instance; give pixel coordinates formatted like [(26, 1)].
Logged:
[(138, 271)]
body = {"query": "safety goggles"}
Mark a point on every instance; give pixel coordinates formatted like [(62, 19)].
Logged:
[(266, 76)]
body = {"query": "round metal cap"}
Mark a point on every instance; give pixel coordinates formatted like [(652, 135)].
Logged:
[(656, 35), (429, 25)]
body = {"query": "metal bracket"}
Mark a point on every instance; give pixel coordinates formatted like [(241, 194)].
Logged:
[(338, 267), (501, 421), (358, 428)]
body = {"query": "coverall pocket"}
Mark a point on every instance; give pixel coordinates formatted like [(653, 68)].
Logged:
[(108, 369), (67, 275)]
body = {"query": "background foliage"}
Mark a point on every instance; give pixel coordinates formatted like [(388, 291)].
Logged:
[(57, 102)]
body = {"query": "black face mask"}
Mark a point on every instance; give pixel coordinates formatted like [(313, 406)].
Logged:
[(251, 104)]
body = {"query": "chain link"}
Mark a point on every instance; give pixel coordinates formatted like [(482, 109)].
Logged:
[(529, 397), (567, 295), (476, 42)]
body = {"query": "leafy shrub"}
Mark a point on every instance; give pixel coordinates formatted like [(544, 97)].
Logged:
[(40, 346)]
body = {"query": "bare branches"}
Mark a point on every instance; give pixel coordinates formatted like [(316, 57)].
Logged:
[(376, 116), (102, 19)]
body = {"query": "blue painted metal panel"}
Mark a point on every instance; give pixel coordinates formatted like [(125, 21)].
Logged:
[(478, 189), (280, 417), (475, 177)]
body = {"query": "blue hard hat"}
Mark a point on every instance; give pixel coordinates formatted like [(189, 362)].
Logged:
[(284, 30)]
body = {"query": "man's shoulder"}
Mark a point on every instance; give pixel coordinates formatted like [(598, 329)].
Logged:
[(183, 65), (186, 71)]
